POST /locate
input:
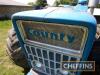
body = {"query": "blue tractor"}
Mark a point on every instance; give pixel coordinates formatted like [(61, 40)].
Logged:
[(42, 39)]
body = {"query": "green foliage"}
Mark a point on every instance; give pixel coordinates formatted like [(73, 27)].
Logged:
[(68, 2), (31, 3), (57, 3), (41, 3), (98, 6), (6, 65)]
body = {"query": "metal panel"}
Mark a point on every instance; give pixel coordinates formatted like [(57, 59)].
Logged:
[(50, 59), (67, 36)]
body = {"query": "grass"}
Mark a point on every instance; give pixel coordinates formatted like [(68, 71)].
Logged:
[(7, 67)]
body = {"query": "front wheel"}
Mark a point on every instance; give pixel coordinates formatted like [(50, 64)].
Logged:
[(15, 51)]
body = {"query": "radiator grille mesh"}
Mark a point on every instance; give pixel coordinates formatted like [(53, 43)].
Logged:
[(50, 59)]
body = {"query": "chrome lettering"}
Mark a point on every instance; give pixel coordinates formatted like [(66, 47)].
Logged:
[(52, 35)]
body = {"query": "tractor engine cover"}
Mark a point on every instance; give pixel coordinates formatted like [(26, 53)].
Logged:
[(52, 35)]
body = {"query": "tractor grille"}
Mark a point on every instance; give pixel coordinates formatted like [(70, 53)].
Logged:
[(50, 59)]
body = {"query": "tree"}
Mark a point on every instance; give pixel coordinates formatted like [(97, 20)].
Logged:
[(98, 6), (38, 3), (65, 2), (31, 3), (41, 3)]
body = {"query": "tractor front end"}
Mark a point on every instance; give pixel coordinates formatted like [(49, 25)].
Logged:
[(52, 35)]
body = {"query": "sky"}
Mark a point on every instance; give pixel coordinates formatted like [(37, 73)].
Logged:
[(50, 2)]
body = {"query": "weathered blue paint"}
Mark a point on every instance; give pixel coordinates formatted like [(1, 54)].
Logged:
[(29, 73), (61, 15), (82, 1), (82, 8)]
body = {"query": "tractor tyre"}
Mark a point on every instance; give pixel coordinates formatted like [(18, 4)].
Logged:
[(15, 51), (95, 56), (95, 53), (96, 46)]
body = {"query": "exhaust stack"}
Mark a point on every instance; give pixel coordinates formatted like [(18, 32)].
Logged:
[(92, 4)]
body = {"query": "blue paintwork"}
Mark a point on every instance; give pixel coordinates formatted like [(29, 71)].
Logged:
[(82, 1), (80, 7), (29, 73), (61, 15)]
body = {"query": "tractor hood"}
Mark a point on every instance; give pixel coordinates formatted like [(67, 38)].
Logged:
[(33, 14), (46, 21), (65, 13)]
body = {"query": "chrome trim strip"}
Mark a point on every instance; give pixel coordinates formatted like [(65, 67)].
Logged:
[(23, 35), (59, 49)]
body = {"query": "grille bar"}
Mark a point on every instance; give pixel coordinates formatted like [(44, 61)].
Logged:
[(49, 58)]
